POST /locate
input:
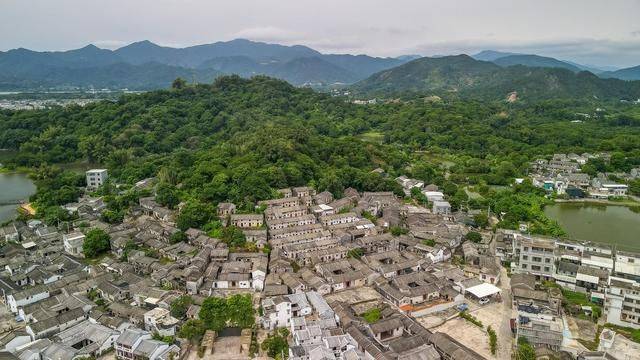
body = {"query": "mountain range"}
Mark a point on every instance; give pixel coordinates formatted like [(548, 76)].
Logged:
[(510, 59), (22, 69), (144, 65), (463, 75)]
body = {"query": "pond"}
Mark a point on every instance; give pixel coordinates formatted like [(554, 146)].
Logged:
[(608, 224), (13, 187)]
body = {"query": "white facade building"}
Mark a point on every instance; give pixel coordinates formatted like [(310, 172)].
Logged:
[(73, 243), (96, 178)]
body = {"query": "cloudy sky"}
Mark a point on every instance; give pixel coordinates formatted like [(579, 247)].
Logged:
[(588, 31)]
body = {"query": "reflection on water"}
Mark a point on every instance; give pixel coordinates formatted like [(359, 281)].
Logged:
[(13, 187), (618, 225)]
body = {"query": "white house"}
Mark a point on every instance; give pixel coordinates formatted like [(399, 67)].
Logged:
[(441, 207), (279, 310), (128, 341), (73, 243), (90, 337), (137, 344), (96, 178), (160, 321), (433, 195), (26, 297)]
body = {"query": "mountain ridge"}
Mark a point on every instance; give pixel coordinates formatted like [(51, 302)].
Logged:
[(297, 64), (464, 76), (23, 69)]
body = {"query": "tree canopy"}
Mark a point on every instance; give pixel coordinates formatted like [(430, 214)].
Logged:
[(96, 242)]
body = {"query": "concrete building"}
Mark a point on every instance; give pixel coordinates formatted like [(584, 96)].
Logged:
[(537, 257), (73, 243), (160, 321), (541, 330), (279, 310), (441, 207), (622, 302), (96, 178)]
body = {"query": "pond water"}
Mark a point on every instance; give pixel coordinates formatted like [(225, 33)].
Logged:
[(608, 224), (13, 187)]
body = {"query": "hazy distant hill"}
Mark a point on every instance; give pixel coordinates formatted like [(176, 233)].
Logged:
[(361, 66), (316, 69), (22, 69), (113, 76), (632, 73), (534, 61), (465, 76), (508, 59), (193, 56), (145, 65), (491, 55)]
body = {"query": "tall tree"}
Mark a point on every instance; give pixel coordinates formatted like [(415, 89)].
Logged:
[(214, 313), (96, 242)]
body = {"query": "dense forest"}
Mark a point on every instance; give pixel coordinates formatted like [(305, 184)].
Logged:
[(240, 139), (464, 77)]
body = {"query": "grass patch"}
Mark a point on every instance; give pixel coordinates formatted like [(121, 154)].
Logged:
[(372, 315), (573, 301)]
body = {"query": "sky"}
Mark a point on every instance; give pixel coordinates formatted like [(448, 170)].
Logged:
[(594, 32)]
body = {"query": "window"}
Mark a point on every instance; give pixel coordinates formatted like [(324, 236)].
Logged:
[(535, 267), (524, 266), (547, 260), (630, 260), (525, 257), (546, 268)]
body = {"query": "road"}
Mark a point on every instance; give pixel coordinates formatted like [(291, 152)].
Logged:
[(505, 339)]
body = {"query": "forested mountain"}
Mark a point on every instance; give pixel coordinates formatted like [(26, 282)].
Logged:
[(146, 51), (508, 59), (306, 70), (491, 55), (238, 140), (466, 77), (23, 69), (534, 61), (632, 73), (113, 76)]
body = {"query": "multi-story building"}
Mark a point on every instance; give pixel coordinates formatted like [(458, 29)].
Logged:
[(627, 265), (537, 257), (622, 302), (96, 178), (541, 330)]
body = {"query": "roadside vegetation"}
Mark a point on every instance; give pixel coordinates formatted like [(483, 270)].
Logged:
[(470, 318)]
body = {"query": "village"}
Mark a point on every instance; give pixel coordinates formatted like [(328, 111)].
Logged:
[(369, 275), (562, 174)]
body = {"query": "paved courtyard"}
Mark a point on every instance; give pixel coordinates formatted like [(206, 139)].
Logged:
[(494, 314)]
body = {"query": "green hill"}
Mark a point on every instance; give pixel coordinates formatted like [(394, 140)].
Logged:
[(632, 73), (465, 77), (535, 61)]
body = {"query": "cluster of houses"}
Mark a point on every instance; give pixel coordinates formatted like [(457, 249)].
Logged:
[(322, 264), (610, 278), (435, 197), (311, 246), (562, 175)]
